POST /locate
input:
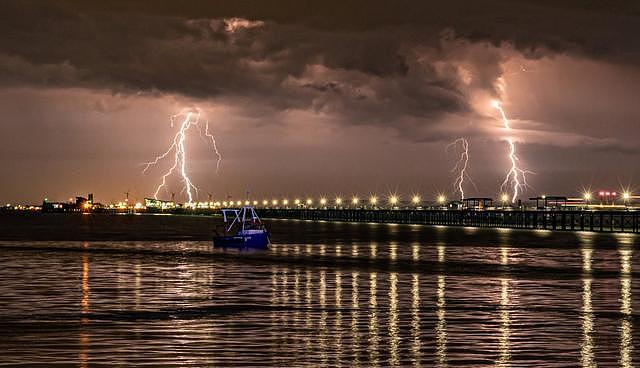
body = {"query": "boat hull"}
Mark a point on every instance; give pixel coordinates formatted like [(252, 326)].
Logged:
[(255, 241)]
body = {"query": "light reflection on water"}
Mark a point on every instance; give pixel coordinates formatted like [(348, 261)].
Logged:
[(626, 327), (397, 303), (441, 324), (503, 342)]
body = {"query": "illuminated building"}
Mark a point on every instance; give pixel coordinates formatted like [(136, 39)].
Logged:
[(158, 204)]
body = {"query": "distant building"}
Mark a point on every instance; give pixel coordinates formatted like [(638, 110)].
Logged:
[(81, 204), (549, 202), (158, 204), (477, 203)]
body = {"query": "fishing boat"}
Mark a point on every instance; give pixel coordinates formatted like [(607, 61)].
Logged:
[(242, 229)]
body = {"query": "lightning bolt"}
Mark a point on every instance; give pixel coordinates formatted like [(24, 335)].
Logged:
[(178, 147), (214, 145), (516, 176), (461, 165)]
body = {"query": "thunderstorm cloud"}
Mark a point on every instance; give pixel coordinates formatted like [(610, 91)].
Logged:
[(415, 73)]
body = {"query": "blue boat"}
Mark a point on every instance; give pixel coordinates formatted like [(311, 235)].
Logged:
[(249, 230)]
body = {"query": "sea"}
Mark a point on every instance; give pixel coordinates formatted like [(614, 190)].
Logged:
[(326, 295)]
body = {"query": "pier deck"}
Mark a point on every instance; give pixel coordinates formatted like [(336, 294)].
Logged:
[(560, 220)]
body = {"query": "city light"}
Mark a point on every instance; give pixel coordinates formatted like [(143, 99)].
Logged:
[(609, 199)]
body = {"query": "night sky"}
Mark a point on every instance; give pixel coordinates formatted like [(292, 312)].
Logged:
[(310, 98)]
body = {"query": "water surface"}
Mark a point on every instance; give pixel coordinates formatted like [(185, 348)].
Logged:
[(326, 294)]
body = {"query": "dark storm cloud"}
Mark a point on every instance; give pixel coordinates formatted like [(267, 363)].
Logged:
[(373, 62), (596, 28)]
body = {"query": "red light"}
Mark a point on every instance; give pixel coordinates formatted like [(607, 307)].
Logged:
[(607, 193), (601, 193), (614, 193)]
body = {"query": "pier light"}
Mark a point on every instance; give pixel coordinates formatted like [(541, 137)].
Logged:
[(393, 200), (274, 202), (355, 200), (297, 202), (441, 199), (626, 196), (246, 203), (323, 201), (338, 201), (224, 203), (586, 196), (285, 202), (265, 202), (255, 203), (415, 199), (504, 197), (309, 201), (373, 200)]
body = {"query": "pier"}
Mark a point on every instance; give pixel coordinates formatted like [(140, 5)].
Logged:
[(618, 221)]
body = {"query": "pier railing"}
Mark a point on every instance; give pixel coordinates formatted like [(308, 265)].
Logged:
[(600, 221)]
